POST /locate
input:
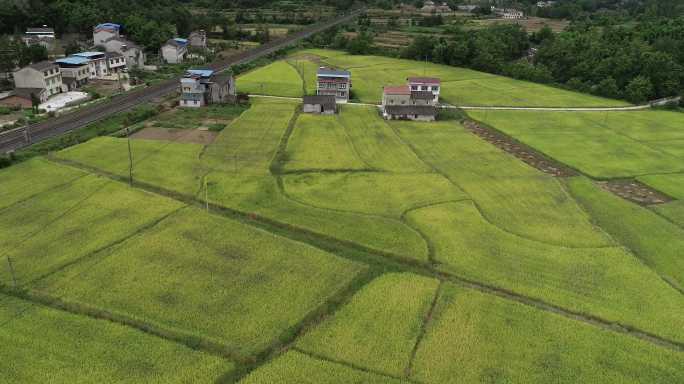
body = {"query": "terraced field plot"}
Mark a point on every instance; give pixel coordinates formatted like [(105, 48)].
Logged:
[(76, 349), (30, 178), (277, 79), (57, 228), (460, 86), (473, 337), (600, 144), (210, 277), (320, 142)]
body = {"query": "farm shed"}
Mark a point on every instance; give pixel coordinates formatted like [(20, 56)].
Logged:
[(411, 112), (324, 104)]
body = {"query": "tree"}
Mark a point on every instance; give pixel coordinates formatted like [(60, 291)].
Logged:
[(639, 90), (35, 102), (362, 44), (608, 88)]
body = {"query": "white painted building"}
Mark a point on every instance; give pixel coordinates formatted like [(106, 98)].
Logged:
[(97, 63), (431, 84), (174, 50), (40, 76)]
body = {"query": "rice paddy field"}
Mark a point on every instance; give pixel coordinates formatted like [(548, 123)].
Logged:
[(301, 248)]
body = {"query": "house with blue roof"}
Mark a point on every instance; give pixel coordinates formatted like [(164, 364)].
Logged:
[(103, 32), (333, 82), (174, 50), (75, 71)]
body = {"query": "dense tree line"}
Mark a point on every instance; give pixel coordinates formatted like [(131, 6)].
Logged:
[(638, 62)]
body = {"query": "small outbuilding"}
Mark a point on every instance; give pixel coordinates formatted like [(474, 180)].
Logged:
[(323, 104)]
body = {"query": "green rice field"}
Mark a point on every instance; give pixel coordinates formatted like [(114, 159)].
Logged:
[(286, 247), (277, 79), (460, 86), (600, 144)]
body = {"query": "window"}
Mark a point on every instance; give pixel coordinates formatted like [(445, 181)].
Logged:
[(194, 102), (391, 101), (403, 102), (435, 87), (414, 87), (423, 88), (45, 73)]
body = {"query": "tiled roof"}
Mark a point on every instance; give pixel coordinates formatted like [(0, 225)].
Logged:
[(424, 110), (333, 73), (223, 78), (326, 101), (397, 90), (424, 80), (43, 65)]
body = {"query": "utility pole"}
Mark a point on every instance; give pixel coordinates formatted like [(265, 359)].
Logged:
[(130, 158), (206, 192), (11, 268)]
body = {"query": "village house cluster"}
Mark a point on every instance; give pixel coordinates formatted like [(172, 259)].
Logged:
[(111, 56), (415, 100)]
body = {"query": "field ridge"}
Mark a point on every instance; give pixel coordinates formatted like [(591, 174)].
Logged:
[(423, 329)]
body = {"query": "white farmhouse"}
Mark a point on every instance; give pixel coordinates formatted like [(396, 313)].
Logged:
[(174, 50)]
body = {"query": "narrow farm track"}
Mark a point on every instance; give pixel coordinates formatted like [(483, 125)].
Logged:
[(423, 329), (378, 258), (354, 366), (498, 108), (22, 137)]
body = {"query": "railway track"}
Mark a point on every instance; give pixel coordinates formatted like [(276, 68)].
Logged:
[(21, 137)]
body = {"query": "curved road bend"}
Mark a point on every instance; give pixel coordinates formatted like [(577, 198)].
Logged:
[(22, 137)]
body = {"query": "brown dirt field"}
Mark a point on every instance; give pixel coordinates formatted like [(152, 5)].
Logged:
[(519, 150), (196, 136), (635, 191)]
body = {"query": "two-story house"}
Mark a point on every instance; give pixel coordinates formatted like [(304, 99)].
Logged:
[(431, 84), (135, 56), (200, 87), (44, 79), (43, 36), (75, 71), (97, 63), (405, 102), (333, 82), (116, 62), (174, 50)]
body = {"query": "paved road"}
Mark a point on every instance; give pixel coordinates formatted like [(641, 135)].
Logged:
[(494, 108), (22, 137)]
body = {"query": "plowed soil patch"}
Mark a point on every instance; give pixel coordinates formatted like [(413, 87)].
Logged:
[(519, 150), (196, 136), (635, 191)]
